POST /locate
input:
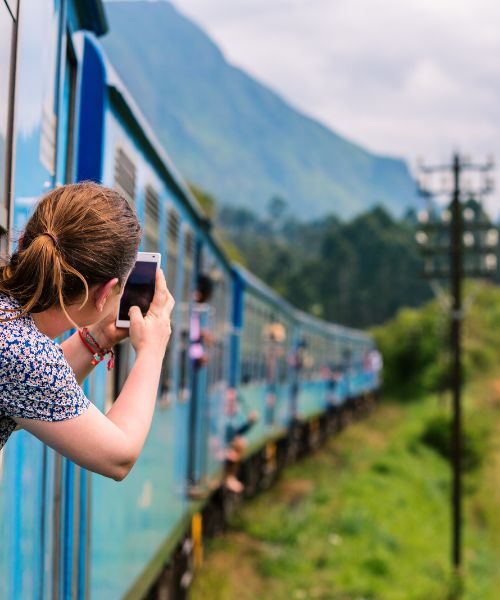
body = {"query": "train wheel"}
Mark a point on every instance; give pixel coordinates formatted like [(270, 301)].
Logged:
[(176, 578), (313, 434), (164, 586), (252, 472), (324, 431), (183, 570), (269, 465), (214, 514), (231, 503), (294, 443), (281, 455)]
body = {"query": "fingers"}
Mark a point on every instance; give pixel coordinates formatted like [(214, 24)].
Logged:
[(135, 315), (161, 291), (162, 297)]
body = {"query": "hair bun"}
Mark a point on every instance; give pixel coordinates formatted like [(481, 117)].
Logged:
[(51, 236)]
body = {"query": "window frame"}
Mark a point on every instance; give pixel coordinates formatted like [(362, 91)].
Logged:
[(6, 193)]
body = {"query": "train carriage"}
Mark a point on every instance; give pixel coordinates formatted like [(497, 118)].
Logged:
[(335, 366), (265, 329)]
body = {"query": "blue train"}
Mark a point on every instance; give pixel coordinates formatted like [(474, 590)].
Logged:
[(66, 533)]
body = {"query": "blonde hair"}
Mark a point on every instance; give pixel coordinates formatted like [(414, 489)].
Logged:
[(79, 235)]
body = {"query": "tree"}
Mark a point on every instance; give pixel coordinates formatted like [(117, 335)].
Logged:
[(276, 210)]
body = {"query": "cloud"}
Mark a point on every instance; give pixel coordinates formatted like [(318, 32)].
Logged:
[(408, 78)]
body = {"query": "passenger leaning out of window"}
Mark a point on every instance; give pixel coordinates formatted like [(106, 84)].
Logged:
[(69, 270)]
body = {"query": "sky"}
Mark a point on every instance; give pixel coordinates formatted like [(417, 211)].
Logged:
[(408, 78)]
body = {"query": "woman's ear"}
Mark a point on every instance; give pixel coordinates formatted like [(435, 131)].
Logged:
[(103, 292)]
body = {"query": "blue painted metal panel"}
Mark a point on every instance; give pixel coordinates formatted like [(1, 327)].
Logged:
[(91, 135), (237, 321)]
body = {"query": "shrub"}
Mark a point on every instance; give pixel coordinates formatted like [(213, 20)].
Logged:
[(437, 435)]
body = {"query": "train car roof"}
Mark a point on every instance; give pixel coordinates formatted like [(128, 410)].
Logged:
[(263, 290), (303, 318), (331, 328)]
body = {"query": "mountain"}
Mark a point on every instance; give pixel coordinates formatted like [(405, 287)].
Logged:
[(233, 136)]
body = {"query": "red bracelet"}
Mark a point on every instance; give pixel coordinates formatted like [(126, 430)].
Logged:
[(95, 349)]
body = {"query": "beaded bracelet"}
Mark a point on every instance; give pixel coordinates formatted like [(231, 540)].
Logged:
[(95, 349)]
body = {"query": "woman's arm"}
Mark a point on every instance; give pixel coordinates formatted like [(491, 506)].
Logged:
[(107, 444), (78, 356), (110, 444)]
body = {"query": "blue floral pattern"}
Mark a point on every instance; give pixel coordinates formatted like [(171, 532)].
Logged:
[(36, 381)]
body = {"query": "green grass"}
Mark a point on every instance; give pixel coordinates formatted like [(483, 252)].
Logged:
[(367, 517)]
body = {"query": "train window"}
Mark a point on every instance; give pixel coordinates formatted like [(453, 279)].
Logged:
[(65, 127), (7, 25), (219, 321), (185, 303), (216, 316), (172, 249), (246, 364), (283, 363), (166, 380), (123, 353), (188, 266), (115, 379), (125, 175), (151, 220)]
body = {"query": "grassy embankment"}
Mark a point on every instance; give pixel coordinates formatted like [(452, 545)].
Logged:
[(367, 517)]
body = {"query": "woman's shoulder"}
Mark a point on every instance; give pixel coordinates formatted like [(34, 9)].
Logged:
[(21, 341), (8, 306)]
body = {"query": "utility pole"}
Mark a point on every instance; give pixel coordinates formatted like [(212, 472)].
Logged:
[(456, 266), (465, 231)]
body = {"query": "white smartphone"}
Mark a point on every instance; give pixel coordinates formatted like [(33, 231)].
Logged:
[(140, 287)]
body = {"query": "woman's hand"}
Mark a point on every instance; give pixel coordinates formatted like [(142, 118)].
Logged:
[(107, 333), (152, 332)]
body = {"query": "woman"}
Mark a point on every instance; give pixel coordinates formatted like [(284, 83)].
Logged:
[(69, 271)]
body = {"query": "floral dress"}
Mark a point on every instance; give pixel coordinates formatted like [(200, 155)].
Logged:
[(36, 381)]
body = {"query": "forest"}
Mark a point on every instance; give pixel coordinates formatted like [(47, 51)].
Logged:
[(357, 272)]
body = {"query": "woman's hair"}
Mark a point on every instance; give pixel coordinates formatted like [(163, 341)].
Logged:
[(80, 235)]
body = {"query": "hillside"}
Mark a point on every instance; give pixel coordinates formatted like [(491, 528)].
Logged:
[(358, 272), (232, 135)]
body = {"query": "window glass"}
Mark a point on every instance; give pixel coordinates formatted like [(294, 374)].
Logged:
[(166, 378), (172, 248), (64, 171), (188, 267), (151, 221), (125, 175)]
